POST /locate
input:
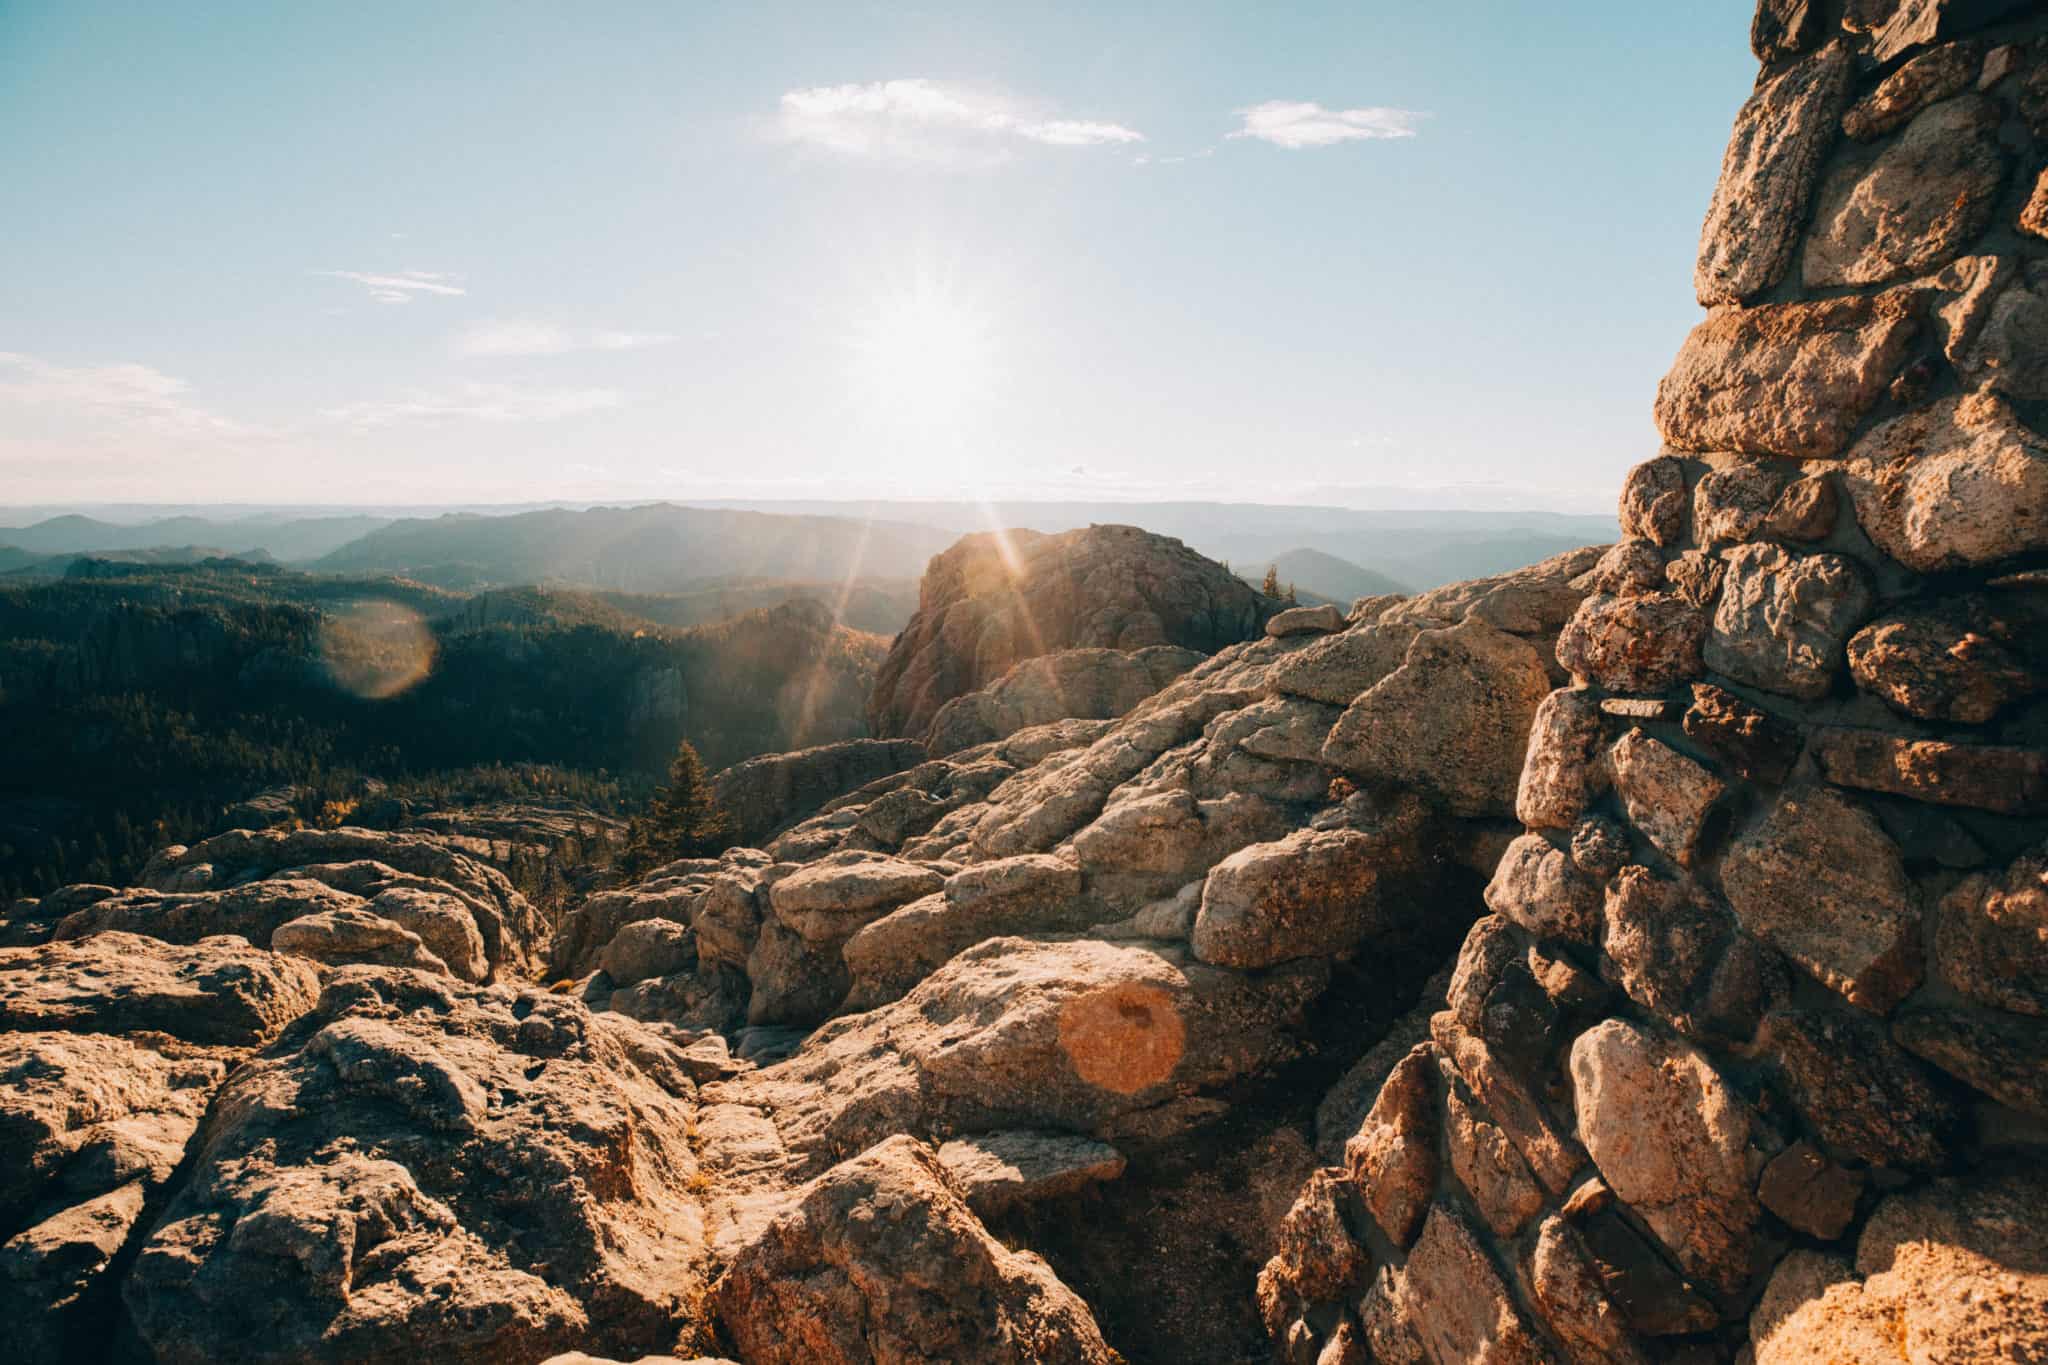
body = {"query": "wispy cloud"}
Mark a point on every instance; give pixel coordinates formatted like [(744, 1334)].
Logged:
[(401, 286), (929, 121), (1295, 124), (475, 403), (523, 337), (127, 395)]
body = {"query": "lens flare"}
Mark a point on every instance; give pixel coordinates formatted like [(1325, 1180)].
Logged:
[(375, 648)]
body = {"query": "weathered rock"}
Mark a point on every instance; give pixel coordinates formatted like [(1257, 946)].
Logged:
[(1316, 1260), (1730, 505), (362, 863), (1695, 576), (2003, 1055), (1541, 887), (1991, 936), (1653, 502), (1659, 941), (1810, 1192), (1961, 660), (771, 793), (1531, 602), (1804, 511), (1312, 894), (648, 948), (1863, 1096), (1322, 620), (1672, 1139), (1947, 70), (1092, 684), (1629, 567), (1448, 1303), (829, 900), (1561, 773), (218, 992), (1335, 670), (1453, 720), (1149, 846), (1993, 777), (1571, 1296), (998, 598), (1653, 1298), (1514, 996), (1784, 28), (1948, 1272), (1750, 740), (1486, 1163), (997, 1172), (1818, 879), (1956, 485), (444, 924), (1029, 894), (830, 1281), (353, 934), (1915, 206), (1553, 1155), (1787, 379), (1784, 619), (433, 1167), (1392, 1158), (1667, 796), (1634, 644), (1599, 847), (111, 1049), (1767, 174), (1110, 1040)]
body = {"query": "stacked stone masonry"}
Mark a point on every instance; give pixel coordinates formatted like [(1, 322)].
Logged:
[(1751, 1059)]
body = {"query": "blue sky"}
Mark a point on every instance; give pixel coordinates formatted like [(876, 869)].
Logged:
[(504, 252)]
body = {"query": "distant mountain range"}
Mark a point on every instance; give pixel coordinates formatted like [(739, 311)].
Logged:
[(862, 558), (1316, 576), (658, 547)]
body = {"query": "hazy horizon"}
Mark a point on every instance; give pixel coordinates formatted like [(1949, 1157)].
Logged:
[(467, 255)]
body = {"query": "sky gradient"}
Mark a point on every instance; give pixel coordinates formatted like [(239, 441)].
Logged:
[(512, 252)]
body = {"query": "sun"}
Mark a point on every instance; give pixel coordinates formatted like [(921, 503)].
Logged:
[(924, 357)]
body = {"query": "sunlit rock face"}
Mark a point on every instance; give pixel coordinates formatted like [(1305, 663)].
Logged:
[(1634, 957), (1001, 597), (1765, 967)]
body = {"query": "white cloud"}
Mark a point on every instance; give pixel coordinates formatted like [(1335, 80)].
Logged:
[(521, 337), (127, 395), (475, 403), (923, 120), (1294, 124), (400, 286)]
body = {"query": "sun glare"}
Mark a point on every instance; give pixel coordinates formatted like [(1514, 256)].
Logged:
[(924, 357)]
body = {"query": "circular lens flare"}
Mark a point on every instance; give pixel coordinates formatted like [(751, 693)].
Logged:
[(375, 649)]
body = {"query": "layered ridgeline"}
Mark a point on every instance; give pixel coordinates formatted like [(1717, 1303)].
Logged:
[(140, 702), (1633, 957)]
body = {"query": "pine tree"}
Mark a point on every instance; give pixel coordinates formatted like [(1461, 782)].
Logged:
[(1292, 600), (681, 820), (1271, 587)]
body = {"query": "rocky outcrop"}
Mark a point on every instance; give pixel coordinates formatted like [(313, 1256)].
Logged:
[(827, 1281), (1747, 1058), (340, 895), (423, 1165), (765, 795), (1001, 597), (1077, 684), (111, 1052)]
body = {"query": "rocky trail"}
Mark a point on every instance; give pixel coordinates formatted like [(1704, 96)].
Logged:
[(1641, 956)]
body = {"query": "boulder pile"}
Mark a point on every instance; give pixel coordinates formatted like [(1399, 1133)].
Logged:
[(1749, 1055), (1641, 956)]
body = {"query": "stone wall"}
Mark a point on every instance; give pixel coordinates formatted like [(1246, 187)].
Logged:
[(1752, 1053)]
